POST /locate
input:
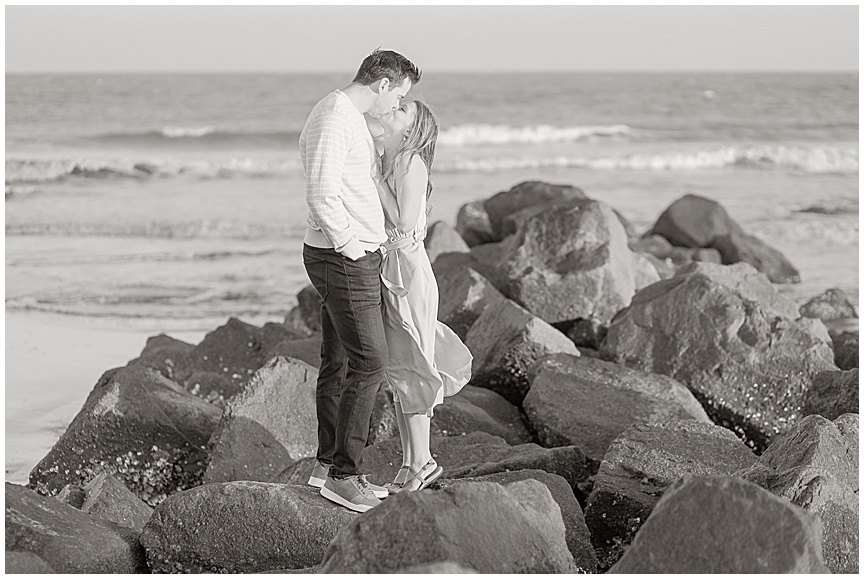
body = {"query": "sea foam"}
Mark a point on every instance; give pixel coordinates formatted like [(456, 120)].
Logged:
[(481, 134)]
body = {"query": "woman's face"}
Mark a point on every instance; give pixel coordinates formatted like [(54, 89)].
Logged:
[(400, 119)]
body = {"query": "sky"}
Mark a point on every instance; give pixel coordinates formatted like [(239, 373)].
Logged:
[(283, 38)]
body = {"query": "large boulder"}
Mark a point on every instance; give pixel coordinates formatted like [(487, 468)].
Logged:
[(67, 539), (845, 350), (506, 340), (570, 262), (525, 195), (694, 221), (482, 526), (731, 338), (589, 402), (224, 361), (833, 393), (478, 454), (719, 524), (641, 463), (138, 426), (305, 317), (441, 238), (305, 349), (241, 527), (110, 500), (831, 305), (472, 223), (166, 355), (472, 409), (268, 426), (815, 466), (21, 562), (575, 531), (463, 294)]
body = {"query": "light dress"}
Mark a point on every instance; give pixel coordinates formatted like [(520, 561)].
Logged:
[(426, 359)]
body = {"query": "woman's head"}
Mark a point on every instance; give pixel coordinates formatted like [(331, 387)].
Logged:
[(419, 129)]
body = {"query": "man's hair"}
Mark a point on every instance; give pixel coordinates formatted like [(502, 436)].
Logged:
[(389, 64)]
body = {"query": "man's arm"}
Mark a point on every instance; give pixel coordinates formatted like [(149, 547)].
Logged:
[(327, 143)]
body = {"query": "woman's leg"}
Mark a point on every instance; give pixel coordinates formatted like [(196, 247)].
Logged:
[(403, 433), (417, 426)]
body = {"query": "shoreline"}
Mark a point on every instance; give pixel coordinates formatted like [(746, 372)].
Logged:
[(52, 363)]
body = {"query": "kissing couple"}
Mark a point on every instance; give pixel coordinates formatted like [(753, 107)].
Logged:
[(368, 200)]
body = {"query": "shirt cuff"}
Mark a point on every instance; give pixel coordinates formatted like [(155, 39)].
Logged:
[(353, 250)]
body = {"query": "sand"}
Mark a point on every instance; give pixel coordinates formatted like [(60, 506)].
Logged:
[(52, 363)]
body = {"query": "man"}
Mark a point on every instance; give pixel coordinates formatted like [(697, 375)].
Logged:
[(345, 228)]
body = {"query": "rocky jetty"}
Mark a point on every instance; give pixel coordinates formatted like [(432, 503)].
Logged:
[(645, 404)]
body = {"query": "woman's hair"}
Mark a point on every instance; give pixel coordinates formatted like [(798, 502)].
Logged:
[(420, 140)]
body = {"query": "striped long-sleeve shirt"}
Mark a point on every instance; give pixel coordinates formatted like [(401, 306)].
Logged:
[(337, 154)]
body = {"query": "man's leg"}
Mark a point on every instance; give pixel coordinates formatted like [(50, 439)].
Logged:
[(332, 371), (354, 304)]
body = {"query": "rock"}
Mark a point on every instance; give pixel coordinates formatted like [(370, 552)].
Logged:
[(473, 409), (476, 409), (68, 540), (306, 316), (641, 463), (463, 294), (834, 304), (529, 194), (833, 393), (694, 221), (236, 351), (718, 524), (477, 454), (214, 387), (441, 238), (731, 338), (108, 499), (569, 262), (19, 562), (655, 245), (268, 426), (585, 334), (165, 354), (482, 526), (241, 527), (587, 402), (685, 255), (138, 426), (73, 495), (664, 267), (576, 533), (845, 350), (307, 350), (472, 223), (815, 466), (442, 567), (506, 340)]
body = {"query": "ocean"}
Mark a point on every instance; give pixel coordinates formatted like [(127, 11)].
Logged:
[(172, 201)]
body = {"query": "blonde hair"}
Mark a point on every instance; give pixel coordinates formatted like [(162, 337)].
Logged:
[(420, 140)]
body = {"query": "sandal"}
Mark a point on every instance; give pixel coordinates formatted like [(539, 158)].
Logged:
[(400, 480), (425, 476)]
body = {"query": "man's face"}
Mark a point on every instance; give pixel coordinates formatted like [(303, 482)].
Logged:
[(389, 98)]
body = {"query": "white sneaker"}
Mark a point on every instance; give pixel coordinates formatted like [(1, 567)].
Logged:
[(352, 492)]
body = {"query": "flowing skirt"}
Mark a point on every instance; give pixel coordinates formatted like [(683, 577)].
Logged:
[(427, 360)]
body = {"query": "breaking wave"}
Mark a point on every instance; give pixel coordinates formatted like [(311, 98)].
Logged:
[(466, 135)]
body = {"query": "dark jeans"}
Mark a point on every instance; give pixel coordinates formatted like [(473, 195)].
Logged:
[(353, 353)]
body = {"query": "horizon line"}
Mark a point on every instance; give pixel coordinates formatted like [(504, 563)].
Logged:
[(451, 71)]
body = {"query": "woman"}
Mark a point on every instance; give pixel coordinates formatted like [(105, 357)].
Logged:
[(427, 360)]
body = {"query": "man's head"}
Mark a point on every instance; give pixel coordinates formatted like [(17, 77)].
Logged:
[(390, 76)]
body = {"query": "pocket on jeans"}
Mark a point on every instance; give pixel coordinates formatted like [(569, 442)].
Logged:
[(370, 261)]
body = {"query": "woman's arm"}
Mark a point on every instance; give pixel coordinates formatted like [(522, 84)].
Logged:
[(410, 193)]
